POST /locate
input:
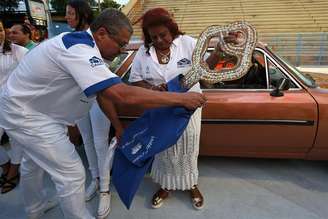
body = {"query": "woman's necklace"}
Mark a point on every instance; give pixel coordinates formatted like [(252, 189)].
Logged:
[(165, 58)]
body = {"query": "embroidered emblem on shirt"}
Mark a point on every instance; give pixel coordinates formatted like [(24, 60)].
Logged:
[(147, 70), (183, 63), (148, 76), (136, 148), (95, 61)]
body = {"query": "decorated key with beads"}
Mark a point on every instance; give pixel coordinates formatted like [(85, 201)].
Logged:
[(242, 50)]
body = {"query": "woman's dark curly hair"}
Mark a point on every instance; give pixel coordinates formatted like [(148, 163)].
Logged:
[(83, 13), (157, 17), (6, 44)]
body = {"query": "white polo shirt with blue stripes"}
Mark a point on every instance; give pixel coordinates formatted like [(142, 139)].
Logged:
[(59, 78)]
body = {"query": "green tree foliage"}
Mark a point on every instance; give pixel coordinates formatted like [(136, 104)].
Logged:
[(8, 5), (109, 4)]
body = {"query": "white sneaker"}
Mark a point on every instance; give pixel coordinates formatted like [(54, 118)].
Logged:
[(92, 189), (51, 203), (104, 205)]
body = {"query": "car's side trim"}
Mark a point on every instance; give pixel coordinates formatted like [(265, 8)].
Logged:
[(244, 121), (258, 122)]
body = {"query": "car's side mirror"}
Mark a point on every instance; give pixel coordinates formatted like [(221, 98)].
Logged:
[(282, 85)]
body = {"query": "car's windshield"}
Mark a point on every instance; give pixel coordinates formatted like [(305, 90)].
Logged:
[(306, 79)]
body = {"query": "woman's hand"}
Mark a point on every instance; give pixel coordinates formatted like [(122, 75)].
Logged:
[(234, 37), (218, 50)]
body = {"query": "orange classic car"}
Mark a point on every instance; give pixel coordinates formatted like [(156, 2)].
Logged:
[(274, 111)]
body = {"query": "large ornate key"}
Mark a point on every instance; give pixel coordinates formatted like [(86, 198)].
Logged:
[(242, 50)]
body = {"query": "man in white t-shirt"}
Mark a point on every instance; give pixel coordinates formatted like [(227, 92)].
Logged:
[(53, 86)]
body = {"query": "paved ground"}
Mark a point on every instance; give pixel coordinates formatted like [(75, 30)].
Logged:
[(234, 188)]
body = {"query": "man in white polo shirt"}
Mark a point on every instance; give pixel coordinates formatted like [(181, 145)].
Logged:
[(52, 87)]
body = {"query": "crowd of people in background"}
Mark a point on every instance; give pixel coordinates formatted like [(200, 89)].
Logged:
[(10, 55), (15, 42)]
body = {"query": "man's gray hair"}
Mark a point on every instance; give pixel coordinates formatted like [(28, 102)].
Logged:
[(113, 20)]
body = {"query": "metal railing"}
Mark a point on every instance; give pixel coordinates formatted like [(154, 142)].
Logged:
[(300, 48)]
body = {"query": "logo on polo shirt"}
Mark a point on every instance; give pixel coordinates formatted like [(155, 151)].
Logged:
[(136, 148), (183, 63), (95, 61), (147, 70)]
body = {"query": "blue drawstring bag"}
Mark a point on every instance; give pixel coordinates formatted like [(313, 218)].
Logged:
[(155, 131)]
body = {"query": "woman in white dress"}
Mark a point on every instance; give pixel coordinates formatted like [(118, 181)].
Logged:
[(10, 55), (166, 53)]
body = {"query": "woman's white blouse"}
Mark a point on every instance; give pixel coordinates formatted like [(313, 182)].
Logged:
[(9, 61), (146, 67)]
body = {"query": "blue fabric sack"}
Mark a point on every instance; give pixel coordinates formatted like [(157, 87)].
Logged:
[(155, 131)]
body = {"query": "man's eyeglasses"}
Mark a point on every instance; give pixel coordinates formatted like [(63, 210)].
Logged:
[(121, 45)]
